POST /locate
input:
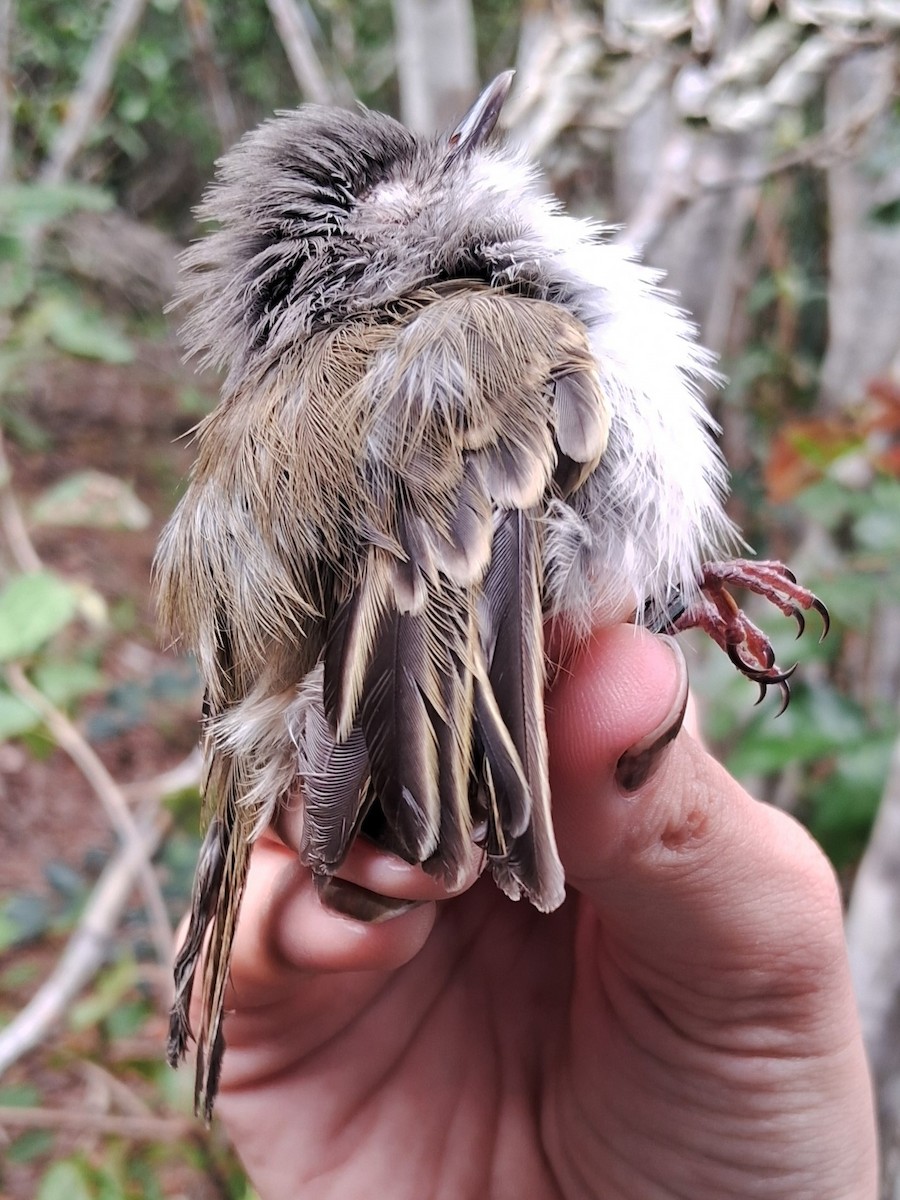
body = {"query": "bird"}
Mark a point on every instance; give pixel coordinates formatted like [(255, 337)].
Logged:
[(452, 417)]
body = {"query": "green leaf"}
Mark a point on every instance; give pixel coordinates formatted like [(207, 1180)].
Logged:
[(32, 1144), (19, 1095), (33, 608), (23, 917), (128, 1019), (107, 995), (16, 717), (63, 682), (35, 203), (818, 724), (91, 499), (65, 1181), (887, 213), (86, 333), (844, 804)]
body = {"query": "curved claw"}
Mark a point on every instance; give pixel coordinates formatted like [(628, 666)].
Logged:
[(781, 677), (786, 697), (767, 676), (788, 573), (743, 667), (801, 621), (763, 691), (824, 614)]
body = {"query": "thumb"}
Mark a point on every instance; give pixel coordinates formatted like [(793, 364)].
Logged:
[(692, 878)]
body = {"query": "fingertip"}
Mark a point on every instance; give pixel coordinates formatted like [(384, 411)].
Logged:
[(623, 687), (313, 936), (284, 930)]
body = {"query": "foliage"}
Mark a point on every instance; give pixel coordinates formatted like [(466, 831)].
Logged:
[(149, 154)]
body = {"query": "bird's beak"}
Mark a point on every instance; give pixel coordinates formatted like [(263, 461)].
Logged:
[(481, 118)]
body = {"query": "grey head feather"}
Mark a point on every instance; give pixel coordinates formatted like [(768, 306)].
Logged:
[(324, 214)]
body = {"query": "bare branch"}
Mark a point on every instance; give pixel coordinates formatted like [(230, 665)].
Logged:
[(873, 937), (557, 55), (179, 778), (211, 76), (87, 100), (436, 61), (298, 46), (12, 522), (80, 1120), (108, 793), (87, 949), (673, 187), (6, 120), (104, 1091)]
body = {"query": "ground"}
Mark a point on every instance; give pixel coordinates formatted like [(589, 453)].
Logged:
[(129, 421)]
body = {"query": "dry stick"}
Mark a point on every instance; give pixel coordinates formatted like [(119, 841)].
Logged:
[(65, 733), (104, 1089), (148, 1129), (179, 778), (678, 185), (300, 51), (86, 101), (86, 950), (210, 74), (436, 61), (6, 121), (12, 522), (873, 938), (108, 793)]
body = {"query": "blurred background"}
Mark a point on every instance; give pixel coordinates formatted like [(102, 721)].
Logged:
[(752, 150)]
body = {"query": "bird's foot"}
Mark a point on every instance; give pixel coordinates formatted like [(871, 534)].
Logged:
[(716, 611)]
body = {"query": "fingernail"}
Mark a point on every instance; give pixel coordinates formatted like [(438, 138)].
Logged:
[(640, 762), (351, 900)]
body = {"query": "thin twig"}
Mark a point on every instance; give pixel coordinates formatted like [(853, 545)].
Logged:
[(179, 778), (86, 950), (12, 522), (301, 53), (110, 1091), (436, 61), (6, 91), (143, 1129), (822, 149), (108, 793), (873, 939), (86, 102), (210, 74)]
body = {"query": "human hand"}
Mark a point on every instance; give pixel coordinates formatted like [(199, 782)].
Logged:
[(682, 1027)]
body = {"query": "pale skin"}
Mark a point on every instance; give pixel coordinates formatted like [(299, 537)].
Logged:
[(683, 1027)]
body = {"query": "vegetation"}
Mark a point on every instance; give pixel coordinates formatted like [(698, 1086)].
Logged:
[(756, 178)]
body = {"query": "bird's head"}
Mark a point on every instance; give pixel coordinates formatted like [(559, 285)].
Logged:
[(324, 214)]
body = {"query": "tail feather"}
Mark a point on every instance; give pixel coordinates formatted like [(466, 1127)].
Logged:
[(453, 724), (204, 899), (236, 841), (514, 635), (400, 735), (215, 904), (333, 776)]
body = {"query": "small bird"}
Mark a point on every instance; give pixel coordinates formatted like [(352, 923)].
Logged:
[(451, 414)]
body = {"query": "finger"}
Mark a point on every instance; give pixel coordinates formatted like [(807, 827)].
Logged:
[(371, 872), (694, 880), (624, 693), (285, 930)]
